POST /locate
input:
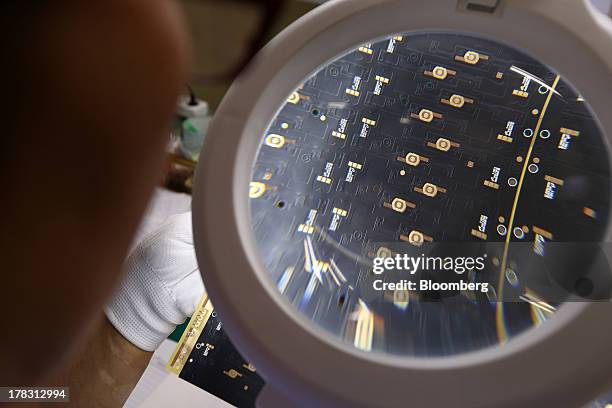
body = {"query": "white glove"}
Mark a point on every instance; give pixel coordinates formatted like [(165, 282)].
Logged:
[(161, 288)]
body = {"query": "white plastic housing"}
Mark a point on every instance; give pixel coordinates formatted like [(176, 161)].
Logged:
[(565, 362)]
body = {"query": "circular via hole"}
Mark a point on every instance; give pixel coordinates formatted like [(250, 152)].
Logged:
[(533, 168), (315, 112), (280, 204), (519, 233), (512, 182), (430, 189), (443, 144), (502, 230), (545, 134), (528, 132), (413, 159), (543, 90)]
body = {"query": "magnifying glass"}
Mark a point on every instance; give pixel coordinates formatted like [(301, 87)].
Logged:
[(405, 202)]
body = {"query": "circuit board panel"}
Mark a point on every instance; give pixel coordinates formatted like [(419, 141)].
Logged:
[(426, 138), (215, 365)]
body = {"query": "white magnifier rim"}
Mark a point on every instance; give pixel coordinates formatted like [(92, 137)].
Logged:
[(566, 361)]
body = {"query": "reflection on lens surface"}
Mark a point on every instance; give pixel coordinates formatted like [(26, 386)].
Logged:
[(432, 145)]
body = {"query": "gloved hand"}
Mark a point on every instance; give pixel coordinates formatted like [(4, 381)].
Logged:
[(162, 285)]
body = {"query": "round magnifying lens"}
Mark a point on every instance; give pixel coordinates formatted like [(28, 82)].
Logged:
[(431, 194)]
